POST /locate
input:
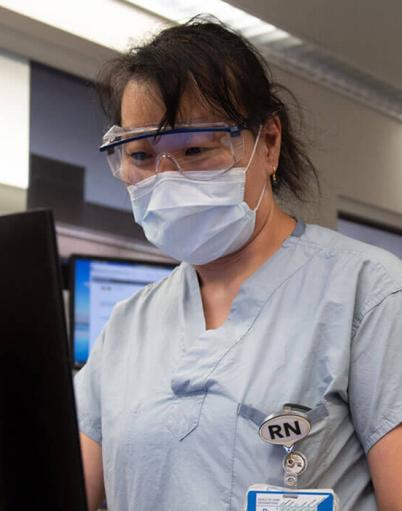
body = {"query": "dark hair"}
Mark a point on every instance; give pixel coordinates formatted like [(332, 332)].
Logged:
[(231, 75)]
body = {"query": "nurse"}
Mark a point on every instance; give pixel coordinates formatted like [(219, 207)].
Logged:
[(263, 311)]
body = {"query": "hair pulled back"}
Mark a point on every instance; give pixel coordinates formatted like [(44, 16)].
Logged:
[(232, 77)]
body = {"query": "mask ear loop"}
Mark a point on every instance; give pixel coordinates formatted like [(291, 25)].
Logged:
[(254, 148), (261, 196), (248, 165)]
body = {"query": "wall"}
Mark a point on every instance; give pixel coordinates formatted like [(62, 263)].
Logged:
[(357, 151), (14, 131), (67, 125)]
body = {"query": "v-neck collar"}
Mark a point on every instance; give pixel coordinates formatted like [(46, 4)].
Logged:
[(193, 313), (202, 349)]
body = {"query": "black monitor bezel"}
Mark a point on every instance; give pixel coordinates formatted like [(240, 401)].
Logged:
[(37, 380), (71, 287)]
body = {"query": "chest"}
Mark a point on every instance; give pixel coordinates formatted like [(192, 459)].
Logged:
[(170, 399), (181, 402), (216, 305), (288, 347)]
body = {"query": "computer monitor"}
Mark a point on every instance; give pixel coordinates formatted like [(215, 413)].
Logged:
[(40, 459), (96, 285)]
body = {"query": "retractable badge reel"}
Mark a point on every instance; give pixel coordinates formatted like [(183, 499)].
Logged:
[(285, 429)]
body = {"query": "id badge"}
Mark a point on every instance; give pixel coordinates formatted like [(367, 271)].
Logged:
[(264, 498), (284, 429)]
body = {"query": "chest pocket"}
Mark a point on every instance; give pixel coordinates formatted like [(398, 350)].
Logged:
[(256, 461)]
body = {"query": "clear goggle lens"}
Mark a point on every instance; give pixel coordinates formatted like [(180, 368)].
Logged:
[(134, 157)]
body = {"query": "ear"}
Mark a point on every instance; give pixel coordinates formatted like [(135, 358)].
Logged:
[(272, 137)]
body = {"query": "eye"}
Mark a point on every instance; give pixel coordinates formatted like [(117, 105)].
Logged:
[(195, 150), (138, 152), (139, 156)]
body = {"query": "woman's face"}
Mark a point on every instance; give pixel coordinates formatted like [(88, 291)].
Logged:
[(142, 106)]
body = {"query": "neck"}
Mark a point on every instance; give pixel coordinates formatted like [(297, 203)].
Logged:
[(231, 271)]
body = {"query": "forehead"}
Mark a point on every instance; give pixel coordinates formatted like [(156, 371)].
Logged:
[(142, 105)]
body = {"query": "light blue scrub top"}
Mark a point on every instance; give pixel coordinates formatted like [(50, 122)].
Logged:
[(319, 324)]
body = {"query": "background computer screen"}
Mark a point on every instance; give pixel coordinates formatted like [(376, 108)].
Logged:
[(96, 285)]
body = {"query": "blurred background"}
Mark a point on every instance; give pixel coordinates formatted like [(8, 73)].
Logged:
[(341, 59)]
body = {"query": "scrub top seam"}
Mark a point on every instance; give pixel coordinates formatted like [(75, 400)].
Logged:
[(233, 462), (87, 426), (329, 250), (377, 299), (245, 333), (386, 425), (372, 304)]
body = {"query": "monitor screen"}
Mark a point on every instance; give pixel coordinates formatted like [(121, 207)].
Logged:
[(97, 284)]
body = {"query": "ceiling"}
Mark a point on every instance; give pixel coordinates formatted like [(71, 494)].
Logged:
[(366, 34)]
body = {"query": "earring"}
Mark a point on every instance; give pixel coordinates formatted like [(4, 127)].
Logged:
[(275, 184)]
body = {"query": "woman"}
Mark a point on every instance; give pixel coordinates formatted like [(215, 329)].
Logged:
[(263, 311)]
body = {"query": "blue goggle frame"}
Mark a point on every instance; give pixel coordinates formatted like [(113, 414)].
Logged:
[(234, 131)]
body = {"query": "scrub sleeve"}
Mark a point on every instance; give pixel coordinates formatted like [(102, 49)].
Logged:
[(375, 384), (87, 385)]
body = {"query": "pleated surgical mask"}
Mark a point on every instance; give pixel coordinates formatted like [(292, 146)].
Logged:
[(195, 220)]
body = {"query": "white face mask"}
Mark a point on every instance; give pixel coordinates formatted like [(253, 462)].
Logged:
[(197, 221)]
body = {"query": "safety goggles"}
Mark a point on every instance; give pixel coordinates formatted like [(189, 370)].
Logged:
[(136, 154)]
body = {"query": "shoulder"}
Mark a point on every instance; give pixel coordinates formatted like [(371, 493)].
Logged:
[(357, 270), (333, 241), (136, 320), (149, 304), (366, 257)]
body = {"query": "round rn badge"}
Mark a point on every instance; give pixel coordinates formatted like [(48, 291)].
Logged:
[(285, 428)]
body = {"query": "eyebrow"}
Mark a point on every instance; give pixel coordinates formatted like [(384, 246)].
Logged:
[(192, 120)]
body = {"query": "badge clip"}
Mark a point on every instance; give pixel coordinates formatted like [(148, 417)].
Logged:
[(285, 428)]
